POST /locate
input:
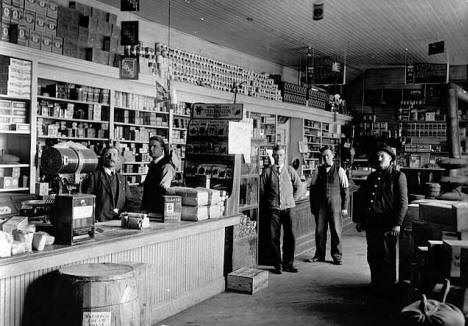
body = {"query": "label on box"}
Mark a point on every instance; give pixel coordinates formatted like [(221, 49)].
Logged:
[(6, 13), (29, 19), (41, 7), (52, 10), (46, 44), (23, 33), (30, 5), (34, 39), (51, 26), (5, 32), (16, 15), (57, 45), (40, 23)]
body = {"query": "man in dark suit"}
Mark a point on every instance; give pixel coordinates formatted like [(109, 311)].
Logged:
[(109, 186), (383, 203)]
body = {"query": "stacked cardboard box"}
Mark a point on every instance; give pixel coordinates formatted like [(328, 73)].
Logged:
[(200, 203), (79, 31)]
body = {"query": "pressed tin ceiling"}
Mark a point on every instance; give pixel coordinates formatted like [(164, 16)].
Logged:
[(362, 33)]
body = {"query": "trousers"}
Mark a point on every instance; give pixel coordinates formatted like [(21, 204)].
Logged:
[(381, 256), (280, 218)]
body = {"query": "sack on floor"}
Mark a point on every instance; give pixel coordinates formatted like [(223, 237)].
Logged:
[(432, 312)]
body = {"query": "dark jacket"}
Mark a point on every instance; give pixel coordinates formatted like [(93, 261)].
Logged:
[(157, 181), (99, 184), (383, 199), (279, 191)]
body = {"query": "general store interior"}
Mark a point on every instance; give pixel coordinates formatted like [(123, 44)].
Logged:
[(80, 76)]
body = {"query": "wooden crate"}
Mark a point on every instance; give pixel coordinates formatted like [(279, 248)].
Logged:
[(247, 280)]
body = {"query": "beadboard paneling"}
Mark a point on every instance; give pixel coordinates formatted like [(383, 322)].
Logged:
[(181, 269)]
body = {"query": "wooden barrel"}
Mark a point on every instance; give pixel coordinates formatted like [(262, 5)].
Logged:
[(97, 294)]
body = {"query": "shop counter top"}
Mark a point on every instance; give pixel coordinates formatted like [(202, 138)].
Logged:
[(185, 263), (113, 238)]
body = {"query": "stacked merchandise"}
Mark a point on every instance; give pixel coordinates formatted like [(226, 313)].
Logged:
[(15, 77), (317, 98), (200, 203), (79, 31), (293, 93), (197, 69)]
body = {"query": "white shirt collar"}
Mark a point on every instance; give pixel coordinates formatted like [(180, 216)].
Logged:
[(108, 171), (158, 159)]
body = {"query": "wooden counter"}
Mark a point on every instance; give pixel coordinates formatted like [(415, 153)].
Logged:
[(185, 262)]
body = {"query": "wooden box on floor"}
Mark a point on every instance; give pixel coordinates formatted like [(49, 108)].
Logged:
[(247, 280)]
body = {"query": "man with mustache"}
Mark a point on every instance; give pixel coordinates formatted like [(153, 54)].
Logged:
[(110, 187), (383, 205), (161, 172), (328, 202)]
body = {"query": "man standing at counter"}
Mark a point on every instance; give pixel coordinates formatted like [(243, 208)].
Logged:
[(328, 202), (280, 187), (383, 204), (161, 171), (110, 187)]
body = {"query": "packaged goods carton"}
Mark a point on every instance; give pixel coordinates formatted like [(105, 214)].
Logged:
[(172, 209), (192, 196), (57, 45), (214, 196), (247, 280), (6, 183), (29, 19), (453, 254), (52, 10), (216, 211), (15, 223), (194, 213), (34, 40)]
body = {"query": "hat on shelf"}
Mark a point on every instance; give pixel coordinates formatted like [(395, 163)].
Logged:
[(387, 149)]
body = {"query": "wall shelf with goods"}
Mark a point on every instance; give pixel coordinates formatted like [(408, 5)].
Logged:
[(423, 130), (68, 111), (16, 171), (180, 117), (264, 126), (136, 118), (316, 135), (47, 66)]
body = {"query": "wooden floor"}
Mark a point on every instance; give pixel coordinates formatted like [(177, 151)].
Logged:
[(320, 294)]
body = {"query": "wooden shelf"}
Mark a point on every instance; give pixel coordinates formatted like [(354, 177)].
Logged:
[(15, 132), (424, 121), (71, 119), (140, 110), (18, 165), (135, 162), (131, 141), (182, 115), (68, 100), (12, 97), (72, 138), (181, 129), (139, 125), (14, 190), (246, 207), (133, 173)]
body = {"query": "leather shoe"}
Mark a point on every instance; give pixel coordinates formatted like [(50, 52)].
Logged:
[(276, 270), (337, 262), (314, 260), (290, 269)]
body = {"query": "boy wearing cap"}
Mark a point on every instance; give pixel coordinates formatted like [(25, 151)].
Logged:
[(384, 203)]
